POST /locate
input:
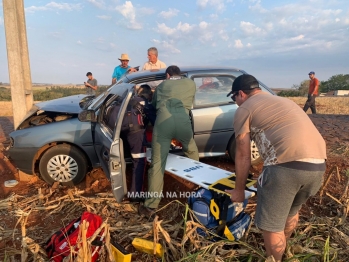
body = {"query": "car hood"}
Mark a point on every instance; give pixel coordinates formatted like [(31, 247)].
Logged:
[(70, 104)]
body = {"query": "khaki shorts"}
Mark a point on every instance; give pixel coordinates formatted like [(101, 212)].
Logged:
[(281, 192)]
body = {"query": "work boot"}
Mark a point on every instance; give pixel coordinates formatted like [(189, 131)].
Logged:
[(147, 212)]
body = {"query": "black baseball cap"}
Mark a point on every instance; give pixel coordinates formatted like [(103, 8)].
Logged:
[(244, 82)]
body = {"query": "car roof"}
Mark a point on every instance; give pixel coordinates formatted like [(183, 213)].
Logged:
[(159, 73), (184, 69)]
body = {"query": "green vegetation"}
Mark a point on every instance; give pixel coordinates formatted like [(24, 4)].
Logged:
[(5, 94), (336, 82), (50, 92)]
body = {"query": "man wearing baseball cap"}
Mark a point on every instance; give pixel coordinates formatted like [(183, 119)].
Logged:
[(294, 156), (120, 70), (312, 93)]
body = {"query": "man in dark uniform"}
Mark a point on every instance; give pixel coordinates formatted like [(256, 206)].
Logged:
[(173, 99), (133, 130)]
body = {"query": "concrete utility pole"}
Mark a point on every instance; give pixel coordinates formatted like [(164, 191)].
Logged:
[(18, 59)]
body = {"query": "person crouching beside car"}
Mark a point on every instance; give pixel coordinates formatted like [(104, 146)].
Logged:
[(132, 130)]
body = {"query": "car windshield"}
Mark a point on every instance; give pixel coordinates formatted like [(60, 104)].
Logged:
[(97, 101)]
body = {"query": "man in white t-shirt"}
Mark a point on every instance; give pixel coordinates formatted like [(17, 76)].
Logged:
[(152, 64), (153, 61)]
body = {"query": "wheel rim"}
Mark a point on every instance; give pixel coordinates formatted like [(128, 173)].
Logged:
[(254, 151), (62, 168)]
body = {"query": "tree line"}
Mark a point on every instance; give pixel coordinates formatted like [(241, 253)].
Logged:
[(336, 82), (50, 93)]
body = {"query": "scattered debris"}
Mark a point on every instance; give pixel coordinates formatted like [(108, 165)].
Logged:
[(10, 183)]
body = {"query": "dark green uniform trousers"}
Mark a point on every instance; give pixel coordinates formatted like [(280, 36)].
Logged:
[(170, 123)]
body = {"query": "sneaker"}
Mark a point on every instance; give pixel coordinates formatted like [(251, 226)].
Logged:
[(147, 212)]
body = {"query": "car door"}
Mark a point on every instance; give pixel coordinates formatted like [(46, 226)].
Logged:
[(108, 144), (213, 112)]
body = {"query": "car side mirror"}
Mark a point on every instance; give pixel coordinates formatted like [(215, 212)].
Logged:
[(87, 116)]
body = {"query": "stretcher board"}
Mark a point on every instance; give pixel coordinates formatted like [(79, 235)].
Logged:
[(201, 174)]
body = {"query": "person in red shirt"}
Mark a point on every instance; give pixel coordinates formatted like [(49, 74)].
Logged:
[(207, 83), (312, 93)]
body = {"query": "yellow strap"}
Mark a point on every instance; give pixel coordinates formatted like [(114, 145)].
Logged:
[(228, 234), (214, 209)]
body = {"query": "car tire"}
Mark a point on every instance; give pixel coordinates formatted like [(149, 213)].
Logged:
[(255, 157), (63, 163)]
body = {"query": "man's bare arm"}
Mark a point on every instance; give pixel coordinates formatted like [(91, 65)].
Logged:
[(242, 160), (242, 167)]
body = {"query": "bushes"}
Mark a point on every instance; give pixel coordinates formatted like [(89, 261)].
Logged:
[(5, 94), (289, 93)]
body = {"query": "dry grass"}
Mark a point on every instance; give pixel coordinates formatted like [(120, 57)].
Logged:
[(321, 238), (326, 105), (6, 108)]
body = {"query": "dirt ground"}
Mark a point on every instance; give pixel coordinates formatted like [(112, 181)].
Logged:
[(334, 129)]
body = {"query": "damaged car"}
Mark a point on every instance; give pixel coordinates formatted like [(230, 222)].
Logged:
[(62, 139)]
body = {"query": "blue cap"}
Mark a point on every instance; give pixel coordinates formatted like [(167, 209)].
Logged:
[(312, 73)]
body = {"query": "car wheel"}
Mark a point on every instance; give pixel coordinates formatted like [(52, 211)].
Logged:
[(63, 163), (255, 157)]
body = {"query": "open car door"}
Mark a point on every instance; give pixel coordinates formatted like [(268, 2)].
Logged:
[(108, 144)]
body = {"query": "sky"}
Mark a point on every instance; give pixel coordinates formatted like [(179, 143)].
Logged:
[(279, 42)]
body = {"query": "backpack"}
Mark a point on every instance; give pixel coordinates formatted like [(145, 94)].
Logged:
[(218, 214), (58, 246)]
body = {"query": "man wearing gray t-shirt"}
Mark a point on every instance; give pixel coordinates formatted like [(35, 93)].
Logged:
[(294, 156), (91, 84)]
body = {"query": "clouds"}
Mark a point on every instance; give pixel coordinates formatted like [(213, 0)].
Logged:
[(177, 31), (297, 38), (53, 6), (216, 4), (166, 46), (250, 29), (172, 12), (129, 12), (202, 3), (244, 33), (104, 17), (98, 3), (238, 44)]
